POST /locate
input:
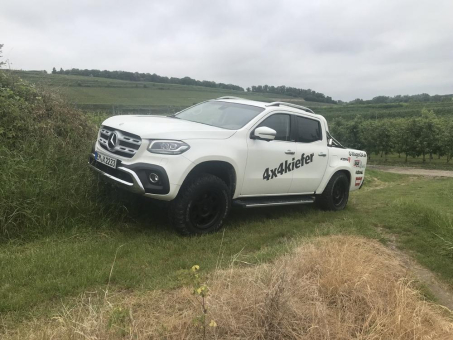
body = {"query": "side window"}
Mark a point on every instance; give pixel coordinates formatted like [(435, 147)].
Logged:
[(308, 130), (281, 124)]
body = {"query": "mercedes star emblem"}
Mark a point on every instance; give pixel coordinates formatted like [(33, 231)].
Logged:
[(113, 141)]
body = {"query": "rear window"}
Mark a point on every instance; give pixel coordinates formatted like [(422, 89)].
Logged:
[(308, 130)]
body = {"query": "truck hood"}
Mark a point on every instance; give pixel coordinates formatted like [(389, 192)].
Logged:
[(162, 127)]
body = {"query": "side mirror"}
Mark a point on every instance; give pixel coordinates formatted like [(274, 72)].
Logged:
[(330, 142), (265, 133)]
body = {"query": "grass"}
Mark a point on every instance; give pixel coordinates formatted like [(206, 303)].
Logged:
[(118, 96), (416, 162), (378, 111), (51, 269), (337, 287), (60, 229)]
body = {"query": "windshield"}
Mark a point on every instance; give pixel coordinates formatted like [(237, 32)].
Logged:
[(224, 115)]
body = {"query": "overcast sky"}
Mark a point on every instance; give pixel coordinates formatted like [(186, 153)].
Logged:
[(342, 48)]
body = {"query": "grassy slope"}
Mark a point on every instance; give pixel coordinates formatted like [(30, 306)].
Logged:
[(377, 111), (102, 93), (151, 256)]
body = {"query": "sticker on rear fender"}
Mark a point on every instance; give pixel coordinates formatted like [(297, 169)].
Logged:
[(357, 154), (359, 164), (286, 166), (358, 181)]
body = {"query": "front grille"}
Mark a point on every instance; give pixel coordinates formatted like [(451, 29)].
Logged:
[(124, 143)]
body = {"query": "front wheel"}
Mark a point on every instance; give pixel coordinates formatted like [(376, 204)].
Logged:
[(336, 194), (201, 206)]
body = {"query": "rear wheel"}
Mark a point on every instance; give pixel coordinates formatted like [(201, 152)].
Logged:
[(336, 194), (201, 206)]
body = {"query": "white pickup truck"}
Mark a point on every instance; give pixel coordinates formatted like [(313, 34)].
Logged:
[(224, 152)]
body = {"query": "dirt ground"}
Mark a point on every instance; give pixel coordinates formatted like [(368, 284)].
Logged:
[(441, 291), (412, 171)]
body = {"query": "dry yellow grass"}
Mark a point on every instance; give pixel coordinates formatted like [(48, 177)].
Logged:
[(331, 288)]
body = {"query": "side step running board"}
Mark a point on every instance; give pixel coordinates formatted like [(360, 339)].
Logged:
[(256, 202)]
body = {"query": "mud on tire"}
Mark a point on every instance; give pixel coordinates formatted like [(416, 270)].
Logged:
[(201, 206)]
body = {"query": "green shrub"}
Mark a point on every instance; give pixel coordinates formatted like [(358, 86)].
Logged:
[(45, 184)]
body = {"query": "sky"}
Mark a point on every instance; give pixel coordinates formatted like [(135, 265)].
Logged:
[(345, 49)]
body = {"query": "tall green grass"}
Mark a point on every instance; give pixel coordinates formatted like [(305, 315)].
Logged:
[(45, 185)]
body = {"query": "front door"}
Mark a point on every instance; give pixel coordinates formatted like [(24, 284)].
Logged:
[(312, 155), (268, 169)]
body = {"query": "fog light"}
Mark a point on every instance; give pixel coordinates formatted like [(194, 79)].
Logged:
[(153, 178)]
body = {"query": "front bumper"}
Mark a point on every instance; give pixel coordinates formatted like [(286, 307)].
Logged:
[(133, 177)]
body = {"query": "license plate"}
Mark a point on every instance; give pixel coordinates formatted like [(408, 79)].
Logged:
[(109, 161)]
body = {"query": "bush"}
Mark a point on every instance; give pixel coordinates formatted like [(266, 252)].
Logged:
[(45, 184)]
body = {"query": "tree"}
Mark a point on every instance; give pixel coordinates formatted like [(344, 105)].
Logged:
[(369, 137), (448, 141), (429, 134), (1, 62), (401, 137), (54, 71), (414, 131), (445, 147), (354, 133)]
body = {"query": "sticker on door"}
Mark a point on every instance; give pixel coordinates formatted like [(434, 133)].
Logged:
[(286, 167)]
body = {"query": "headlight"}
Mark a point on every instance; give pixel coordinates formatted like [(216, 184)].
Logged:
[(168, 147)]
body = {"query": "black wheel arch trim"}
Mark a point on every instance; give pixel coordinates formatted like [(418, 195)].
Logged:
[(221, 169)]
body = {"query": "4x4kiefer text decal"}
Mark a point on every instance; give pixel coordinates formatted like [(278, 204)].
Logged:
[(283, 168)]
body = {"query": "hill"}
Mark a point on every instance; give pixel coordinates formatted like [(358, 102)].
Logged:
[(121, 96), (382, 111)]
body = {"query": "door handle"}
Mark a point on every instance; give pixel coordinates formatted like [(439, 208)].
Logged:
[(322, 154), (289, 152)]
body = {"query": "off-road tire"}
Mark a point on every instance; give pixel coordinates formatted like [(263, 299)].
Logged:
[(329, 199), (186, 210)]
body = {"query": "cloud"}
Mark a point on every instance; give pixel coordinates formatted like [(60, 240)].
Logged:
[(345, 49)]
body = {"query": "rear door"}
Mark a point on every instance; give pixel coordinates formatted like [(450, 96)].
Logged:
[(266, 172), (311, 156)]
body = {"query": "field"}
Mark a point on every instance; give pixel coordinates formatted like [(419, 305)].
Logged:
[(67, 240), (118, 96), (394, 159), (380, 111), (417, 211)]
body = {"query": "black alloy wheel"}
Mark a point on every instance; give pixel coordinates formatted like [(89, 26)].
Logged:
[(201, 205), (339, 193), (336, 194), (205, 209)]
